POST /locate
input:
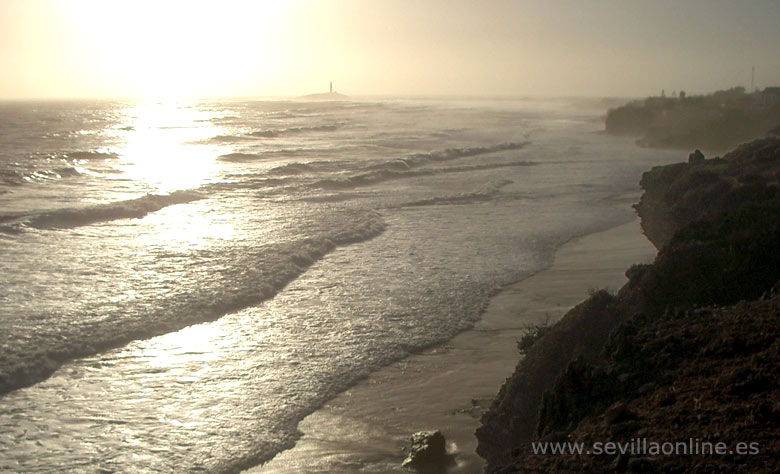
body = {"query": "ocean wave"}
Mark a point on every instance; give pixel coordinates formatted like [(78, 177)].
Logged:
[(273, 133), (485, 193), (245, 157), (132, 208), (264, 133), (256, 273), (10, 218), (239, 157), (292, 130), (420, 159), (292, 168), (18, 178), (373, 177), (320, 166), (91, 155), (12, 177), (228, 139), (334, 197)]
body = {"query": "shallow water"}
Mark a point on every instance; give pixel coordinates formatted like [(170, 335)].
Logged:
[(322, 241)]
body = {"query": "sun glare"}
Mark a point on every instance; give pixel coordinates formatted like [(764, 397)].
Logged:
[(164, 146), (174, 49)]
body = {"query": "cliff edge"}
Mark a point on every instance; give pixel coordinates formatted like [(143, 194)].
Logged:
[(703, 190), (687, 347)]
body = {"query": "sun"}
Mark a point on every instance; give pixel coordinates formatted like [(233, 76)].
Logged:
[(175, 49)]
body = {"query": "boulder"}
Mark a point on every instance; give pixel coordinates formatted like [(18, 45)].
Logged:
[(617, 413), (428, 452)]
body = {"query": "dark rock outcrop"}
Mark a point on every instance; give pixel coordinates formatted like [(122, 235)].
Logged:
[(714, 375), (635, 364), (701, 190), (428, 453), (512, 420)]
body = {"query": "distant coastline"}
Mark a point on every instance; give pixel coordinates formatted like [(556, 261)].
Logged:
[(715, 122), (324, 96)]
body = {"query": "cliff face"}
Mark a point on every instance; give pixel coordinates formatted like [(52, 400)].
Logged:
[(708, 375), (715, 122), (511, 421), (717, 223)]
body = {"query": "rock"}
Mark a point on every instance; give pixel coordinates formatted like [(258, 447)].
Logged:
[(620, 464), (646, 388), (555, 437), (623, 428), (617, 413), (635, 272), (696, 157), (766, 412), (644, 464), (504, 470), (428, 452), (667, 399)]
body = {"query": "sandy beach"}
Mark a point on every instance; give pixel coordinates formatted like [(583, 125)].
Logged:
[(366, 428)]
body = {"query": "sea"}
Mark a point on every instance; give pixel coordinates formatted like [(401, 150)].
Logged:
[(182, 282)]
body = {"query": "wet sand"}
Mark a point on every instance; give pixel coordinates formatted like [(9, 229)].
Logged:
[(366, 428)]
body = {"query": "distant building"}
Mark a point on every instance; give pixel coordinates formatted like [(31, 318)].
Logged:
[(770, 96)]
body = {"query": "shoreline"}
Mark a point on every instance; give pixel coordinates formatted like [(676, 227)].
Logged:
[(367, 427)]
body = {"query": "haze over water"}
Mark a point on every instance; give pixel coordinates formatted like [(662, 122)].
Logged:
[(325, 239)]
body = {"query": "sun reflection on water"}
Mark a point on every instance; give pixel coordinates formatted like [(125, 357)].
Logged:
[(199, 343), (165, 146), (188, 227)]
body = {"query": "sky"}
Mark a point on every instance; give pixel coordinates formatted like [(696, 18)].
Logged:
[(194, 48)]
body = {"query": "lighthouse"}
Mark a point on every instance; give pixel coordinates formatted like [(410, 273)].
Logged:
[(331, 87)]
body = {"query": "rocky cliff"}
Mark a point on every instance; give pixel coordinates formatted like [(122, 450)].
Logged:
[(663, 353), (703, 190)]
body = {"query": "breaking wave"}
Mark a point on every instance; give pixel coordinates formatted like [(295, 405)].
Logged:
[(18, 178), (292, 168), (307, 167), (298, 151), (273, 133), (239, 157), (256, 272), (419, 159), (486, 193), (292, 131), (373, 177), (405, 167), (91, 155), (133, 208)]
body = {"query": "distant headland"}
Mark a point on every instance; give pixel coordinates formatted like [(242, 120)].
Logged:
[(330, 95), (715, 123)]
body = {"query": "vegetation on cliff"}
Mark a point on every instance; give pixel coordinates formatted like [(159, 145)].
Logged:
[(708, 375), (714, 123), (680, 351), (703, 190)]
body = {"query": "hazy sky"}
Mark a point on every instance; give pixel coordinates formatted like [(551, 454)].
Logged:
[(160, 48)]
